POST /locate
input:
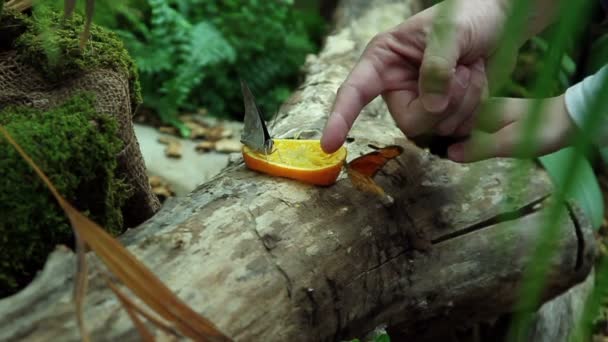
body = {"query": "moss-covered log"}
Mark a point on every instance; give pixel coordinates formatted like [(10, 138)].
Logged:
[(71, 109), (76, 146), (269, 259)]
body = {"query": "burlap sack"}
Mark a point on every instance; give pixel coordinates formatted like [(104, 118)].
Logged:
[(21, 84)]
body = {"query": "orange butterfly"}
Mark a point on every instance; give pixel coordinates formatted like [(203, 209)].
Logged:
[(361, 170)]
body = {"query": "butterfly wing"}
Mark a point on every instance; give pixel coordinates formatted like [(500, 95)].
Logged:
[(361, 170), (255, 134), (370, 163)]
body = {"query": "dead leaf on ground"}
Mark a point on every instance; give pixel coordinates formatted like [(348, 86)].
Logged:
[(215, 133), (227, 133), (228, 146), (168, 130), (160, 188), (155, 181), (174, 147), (205, 146), (197, 131)]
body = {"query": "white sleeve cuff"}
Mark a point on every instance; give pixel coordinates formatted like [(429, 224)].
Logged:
[(579, 100)]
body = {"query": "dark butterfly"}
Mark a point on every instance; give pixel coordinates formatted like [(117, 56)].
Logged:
[(255, 134)]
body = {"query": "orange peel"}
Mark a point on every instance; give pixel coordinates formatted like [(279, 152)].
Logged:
[(302, 160)]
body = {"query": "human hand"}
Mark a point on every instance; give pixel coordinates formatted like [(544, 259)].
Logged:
[(500, 130), (430, 70)]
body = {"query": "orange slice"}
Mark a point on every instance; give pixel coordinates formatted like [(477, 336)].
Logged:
[(302, 160)]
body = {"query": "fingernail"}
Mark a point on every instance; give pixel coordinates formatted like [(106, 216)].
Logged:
[(332, 137), (456, 152), (434, 103), (463, 76)]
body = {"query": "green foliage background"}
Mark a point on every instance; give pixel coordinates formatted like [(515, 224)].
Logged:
[(191, 53)]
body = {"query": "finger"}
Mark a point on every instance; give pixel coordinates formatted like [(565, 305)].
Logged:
[(468, 103), (499, 112), (504, 143), (466, 127), (362, 85), (457, 93), (439, 62), (409, 115)]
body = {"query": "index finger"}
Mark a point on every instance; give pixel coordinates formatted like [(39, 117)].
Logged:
[(362, 85)]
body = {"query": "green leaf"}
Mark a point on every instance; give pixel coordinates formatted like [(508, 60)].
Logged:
[(586, 193), (598, 56), (383, 337)]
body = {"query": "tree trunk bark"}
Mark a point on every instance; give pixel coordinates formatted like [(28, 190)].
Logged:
[(268, 259)]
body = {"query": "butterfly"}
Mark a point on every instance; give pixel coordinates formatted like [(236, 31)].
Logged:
[(255, 134), (361, 169)]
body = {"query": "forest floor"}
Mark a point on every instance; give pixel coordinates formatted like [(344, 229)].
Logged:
[(177, 165)]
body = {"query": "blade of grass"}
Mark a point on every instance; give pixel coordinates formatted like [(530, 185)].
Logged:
[(86, 33), (593, 304), (534, 275), (533, 282), (128, 269), (68, 8), (586, 193)]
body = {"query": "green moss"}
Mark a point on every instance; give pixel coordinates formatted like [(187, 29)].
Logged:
[(76, 147), (50, 43)]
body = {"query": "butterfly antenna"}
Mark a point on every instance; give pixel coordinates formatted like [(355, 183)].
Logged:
[(273, 121)]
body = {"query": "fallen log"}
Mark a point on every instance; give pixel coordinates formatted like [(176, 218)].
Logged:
[(268, 259)]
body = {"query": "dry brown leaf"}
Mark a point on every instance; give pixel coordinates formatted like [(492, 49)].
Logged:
[(227, 133), (159, 323), (174, 147), (165, 140), (128, 269), (163, 192), (155, 181), (160, 188), (228, 146), (174, 150), (205, 146), (197, 131), (130, 308), (197, 118), (215, 133), (168, 130)]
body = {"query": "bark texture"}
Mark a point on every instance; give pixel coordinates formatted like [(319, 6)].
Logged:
[(269, 259)]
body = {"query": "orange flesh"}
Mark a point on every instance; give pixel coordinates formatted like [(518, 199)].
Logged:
[(302, 160)]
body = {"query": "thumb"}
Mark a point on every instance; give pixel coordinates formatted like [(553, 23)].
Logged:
[(438, 64), (436, 74)]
